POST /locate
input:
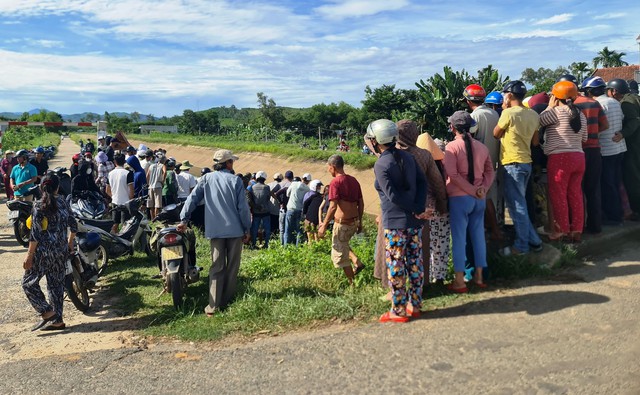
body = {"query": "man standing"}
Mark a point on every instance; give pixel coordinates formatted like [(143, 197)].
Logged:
[(630, 103), (518, 129), (120, 188), (228, 220), (23, 176), (283, 199), (596, 123), (40, 163), (486, 120), (274, 207), (612, 152), (186, 181), (345, 209), (295, 193), (102, 146), (155, 176)]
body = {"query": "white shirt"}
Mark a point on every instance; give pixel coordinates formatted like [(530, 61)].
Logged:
[(186, 182), (296, 195), (613, 111), (119, 181), (486, 120)]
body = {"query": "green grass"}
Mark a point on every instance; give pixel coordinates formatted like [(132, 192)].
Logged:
[(289, 150)]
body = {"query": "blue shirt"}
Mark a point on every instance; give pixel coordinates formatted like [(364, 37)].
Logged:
[(21, 174), (226, 210), (402, 191)]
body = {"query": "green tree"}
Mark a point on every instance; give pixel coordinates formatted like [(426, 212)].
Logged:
[(607, 58), (271, 113), (580, 69), (490, 79), (543, 78), (384, 101)]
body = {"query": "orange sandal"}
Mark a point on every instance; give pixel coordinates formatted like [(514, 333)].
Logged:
[(387, 317)]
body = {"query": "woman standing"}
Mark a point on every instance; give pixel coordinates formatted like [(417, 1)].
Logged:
[(566, 130), (49, 248), (402, 189), (469, 175), (6, 165)]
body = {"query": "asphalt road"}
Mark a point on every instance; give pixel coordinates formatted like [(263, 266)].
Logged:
[(576, 334)]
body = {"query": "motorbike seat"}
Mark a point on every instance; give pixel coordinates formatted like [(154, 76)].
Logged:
[(104, 224)]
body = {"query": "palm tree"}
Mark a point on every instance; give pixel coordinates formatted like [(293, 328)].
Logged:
[(608, 58), (580, 69)]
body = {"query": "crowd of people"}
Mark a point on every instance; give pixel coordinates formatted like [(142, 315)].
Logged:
[(549, 152)]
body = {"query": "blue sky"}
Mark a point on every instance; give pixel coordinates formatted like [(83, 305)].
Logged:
[(162, 57)]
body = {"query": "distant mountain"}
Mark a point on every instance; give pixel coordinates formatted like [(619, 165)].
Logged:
[(81, 117)]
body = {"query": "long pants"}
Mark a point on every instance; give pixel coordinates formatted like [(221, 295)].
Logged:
[(265, 221), (565, 173), (631, 176), (610, 186), (223, 275), (467, 213), (516, 177), (591, 186), (292, 230), (55, 275), (440, 240), (7, 189), (404, 258), (282, 219)]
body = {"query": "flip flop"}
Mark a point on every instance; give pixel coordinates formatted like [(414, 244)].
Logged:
[(53, 327), (479, 285), (387, 317), (462, 290), (43, 322), (358, 269)]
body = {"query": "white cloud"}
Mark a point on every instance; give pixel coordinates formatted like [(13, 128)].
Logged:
[(560, 18), (610, 15), (508, 23), (341, 9)]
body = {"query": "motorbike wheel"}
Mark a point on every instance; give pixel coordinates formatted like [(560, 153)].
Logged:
[(102, 257), (21, 232), (77, 293), (175, 281)]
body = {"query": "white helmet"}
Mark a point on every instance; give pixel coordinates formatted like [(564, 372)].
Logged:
[(261, 174), (383, 130)]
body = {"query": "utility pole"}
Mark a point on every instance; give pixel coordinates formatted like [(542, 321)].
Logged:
[(319, 136)]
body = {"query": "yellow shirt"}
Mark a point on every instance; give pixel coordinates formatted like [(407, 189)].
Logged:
[(519, 124)]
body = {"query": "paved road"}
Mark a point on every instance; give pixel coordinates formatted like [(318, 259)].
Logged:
[(575, 334)]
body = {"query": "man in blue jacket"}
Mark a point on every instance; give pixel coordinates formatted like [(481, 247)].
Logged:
[(227, 223)]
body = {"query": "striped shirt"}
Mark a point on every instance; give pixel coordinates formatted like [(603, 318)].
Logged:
[(613, 111), (559, 136), (592, 110)]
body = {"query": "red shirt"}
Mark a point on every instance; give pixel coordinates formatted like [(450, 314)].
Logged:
[(345, 187), (595, 115)]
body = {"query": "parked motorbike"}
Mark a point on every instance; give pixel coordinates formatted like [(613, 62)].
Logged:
[(88, 204), (84, 267), (133, 235), (176, 254), (20, 211)]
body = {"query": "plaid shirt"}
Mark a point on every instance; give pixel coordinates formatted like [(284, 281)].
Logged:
[(103, 173)]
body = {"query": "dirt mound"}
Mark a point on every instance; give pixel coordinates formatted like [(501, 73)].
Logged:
[(254, 161)]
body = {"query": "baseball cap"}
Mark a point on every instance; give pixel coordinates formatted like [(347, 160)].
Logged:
[(288, 174), (278, 176), (261, 174), (224, 155), (306, 176), (462, 121)]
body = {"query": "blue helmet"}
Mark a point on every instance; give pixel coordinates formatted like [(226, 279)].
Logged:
[(39, 150), (493, 98), (592, 82)]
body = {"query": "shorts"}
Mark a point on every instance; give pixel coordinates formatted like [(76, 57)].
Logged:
[(155, 198), (340, 248)]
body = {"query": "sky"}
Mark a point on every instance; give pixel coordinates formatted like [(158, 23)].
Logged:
[(161, 57)]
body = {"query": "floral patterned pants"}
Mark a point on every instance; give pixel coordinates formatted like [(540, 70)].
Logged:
[(404, 259), (55, 275)]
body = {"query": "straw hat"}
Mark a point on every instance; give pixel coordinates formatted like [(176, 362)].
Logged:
[(426, 142), (186, 165)]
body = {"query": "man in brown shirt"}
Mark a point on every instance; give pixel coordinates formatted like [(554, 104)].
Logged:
[(345, 208)]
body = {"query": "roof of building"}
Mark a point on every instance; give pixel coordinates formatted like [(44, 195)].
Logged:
[(624, 72)]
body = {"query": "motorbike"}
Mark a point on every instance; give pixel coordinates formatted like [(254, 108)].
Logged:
[(88, 204), (133, 235), (176, 254), (84, 267), (18, 214), (65, 180)]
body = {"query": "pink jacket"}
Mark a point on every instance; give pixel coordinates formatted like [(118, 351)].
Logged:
[(456, 167)]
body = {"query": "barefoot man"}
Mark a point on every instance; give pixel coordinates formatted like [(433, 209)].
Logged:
[(345, 208)]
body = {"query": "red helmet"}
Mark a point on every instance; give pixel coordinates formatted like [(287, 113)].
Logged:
[(474, 92), (76, 158)]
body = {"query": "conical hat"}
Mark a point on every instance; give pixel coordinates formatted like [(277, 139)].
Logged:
[(426, 142)]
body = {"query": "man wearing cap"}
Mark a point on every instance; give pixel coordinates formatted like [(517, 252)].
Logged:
[(111, 148), (346, 208), (6, 165), (23, 176), (155, 176), (283, 199), (295, 193), (228, 220), (120, 188), (102, 145), (274, 206), (186, 180), (517, 129), (40, 163), (259, 201)]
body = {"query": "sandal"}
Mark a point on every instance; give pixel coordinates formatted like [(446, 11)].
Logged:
[(43, 322), (387, 317), (358, 269), (461, 290)]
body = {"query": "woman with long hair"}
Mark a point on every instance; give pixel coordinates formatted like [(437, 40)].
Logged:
[(566, 130), (49, 247), (469, 175)]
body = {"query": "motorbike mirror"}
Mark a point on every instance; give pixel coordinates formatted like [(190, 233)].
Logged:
[(170, 207)]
